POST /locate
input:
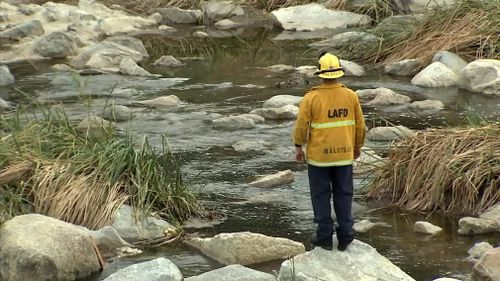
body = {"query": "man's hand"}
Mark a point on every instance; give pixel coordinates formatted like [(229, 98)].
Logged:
[(357, 152), (299, 155)]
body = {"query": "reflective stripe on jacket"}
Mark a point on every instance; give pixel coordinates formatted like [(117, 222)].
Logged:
[(331, 123)]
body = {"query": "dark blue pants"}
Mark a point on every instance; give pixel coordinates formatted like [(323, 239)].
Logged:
[(324, 183)]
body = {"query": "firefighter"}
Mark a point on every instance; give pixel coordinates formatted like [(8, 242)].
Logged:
[(331, 124)]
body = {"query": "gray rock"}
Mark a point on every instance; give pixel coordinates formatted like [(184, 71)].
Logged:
[(125, 93), (168, 61), (4, 17), (473, 226), (214, 11), (200, 34), (347, 39), (286, 112), (160, 269), (33, 245), (31, 28), (370, 94), (479, 249), (233, 272), (166, 28), (427, 105), (492, 214), (132, 228), (280, 178), (61, 68), (129, 67), (314, 16), (246, 146), (246, 248), (359, 262), (131, 43), (6, 78), (256, 118), (388, 97), (108, 238), (435, 75), (117, 113), (389, 133), (233, 123), (56, 45), (226, 24), (105, 55), (482, 76), (282, 100), (363, 226), (426, 228), (52, 14), (162, 102), (352, 68), (157, 17), (176, 15), (451, 60), (407, 67), (120, 24), (488, 267)]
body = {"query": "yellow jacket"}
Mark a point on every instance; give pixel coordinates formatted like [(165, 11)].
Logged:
[(331, 122)]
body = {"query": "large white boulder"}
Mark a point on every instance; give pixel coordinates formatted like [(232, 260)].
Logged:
[(246, 248), (406, 67), (117, 112), (160, 269), (388, 97), (359, 262), (6, 78), (473, 226), (35, 247), (314, 16), (56, 45), (347, 39), (174, 15), (131, 43), (492, 214), (280, 178), (129, 67), (435, 75), (286, 112), (234, 272), (478, 250), (105, 55), (164, 102), (427, 105), (214, 11), (365, 225), (451, 60), (426, 228), (389, 133), (482, 76), (233, 123), (123, 24), (351, 68), (282, 100), (488, 267)]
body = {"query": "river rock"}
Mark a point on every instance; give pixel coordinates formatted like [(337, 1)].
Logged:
[(61, 67), (352, 68), (372, 93), (226, 24), (427, 105), (129, 67), (174, 15), (479, 249), (388, 97), (168, 61), (105, 55), (435, 75), (234, 272), (492, 214), (307, 70), (166, 28), (407, 67), (131, 43), (35, 247), (108, 238), (281, 178), (282, 100), (363, 226), (488, 267), (6, 78), (117, 113), (95, 126), (246, 248), (125, 93), (314, 16), (162, 102), (426, 228), (123, 24), (286, 112), (160, 269), (359, 262), (233, 123), (473, 226), (389, 133), (482, 76), (214, 11), (30, 28), (200, 34), (256, 118), (56, 45), (451, 60), (280, 68), (347, 39), (247, 145), (132, 228)]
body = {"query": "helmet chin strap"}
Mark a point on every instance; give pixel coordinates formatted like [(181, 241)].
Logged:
[(328, 70)]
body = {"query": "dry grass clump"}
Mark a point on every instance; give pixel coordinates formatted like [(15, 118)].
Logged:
[(448, 170)]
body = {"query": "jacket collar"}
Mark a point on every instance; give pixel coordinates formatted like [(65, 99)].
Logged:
[(330, 86)]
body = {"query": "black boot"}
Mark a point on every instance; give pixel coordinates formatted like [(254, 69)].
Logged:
[(327, 245)]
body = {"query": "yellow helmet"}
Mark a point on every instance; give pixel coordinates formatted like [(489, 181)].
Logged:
[(329, 67)]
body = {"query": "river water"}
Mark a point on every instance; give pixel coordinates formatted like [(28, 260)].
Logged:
[(230, 79)]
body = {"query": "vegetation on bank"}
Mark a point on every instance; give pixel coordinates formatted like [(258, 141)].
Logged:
[(49, 166), (447, 170)]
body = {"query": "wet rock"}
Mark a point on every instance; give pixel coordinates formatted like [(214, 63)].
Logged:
[(451, 60), (129, 67), (479, 249), (407, 67), (31, 28), (105, 56), (157, 17), (389, 133), (131, 43), (246, 146), (313, 16), (253, 18), (96, 126), (473, 226), (363, 226), (162, 102), (352, 68), (233, 123), (108, 238), (280, 178), (6, 78), (293, 81), (56, 45), (123, 24), (482, 76), (246, 248), (117, 113), (307, 70), (33, 245), (160, 269), (126, 252), (388, 97), (166, 28), (426, 228), (200, 34), (372, 93), (132, 228), (427, 105), (488, 267), (214, 11), (347, 39), (492, 214), (280, 68), (168, 61), (282, 100), (61, 68), (359, 262), (176, 15), (226, 24), (233, 272), (286, 112), (435, 75), (256, 118), (124, 93)]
